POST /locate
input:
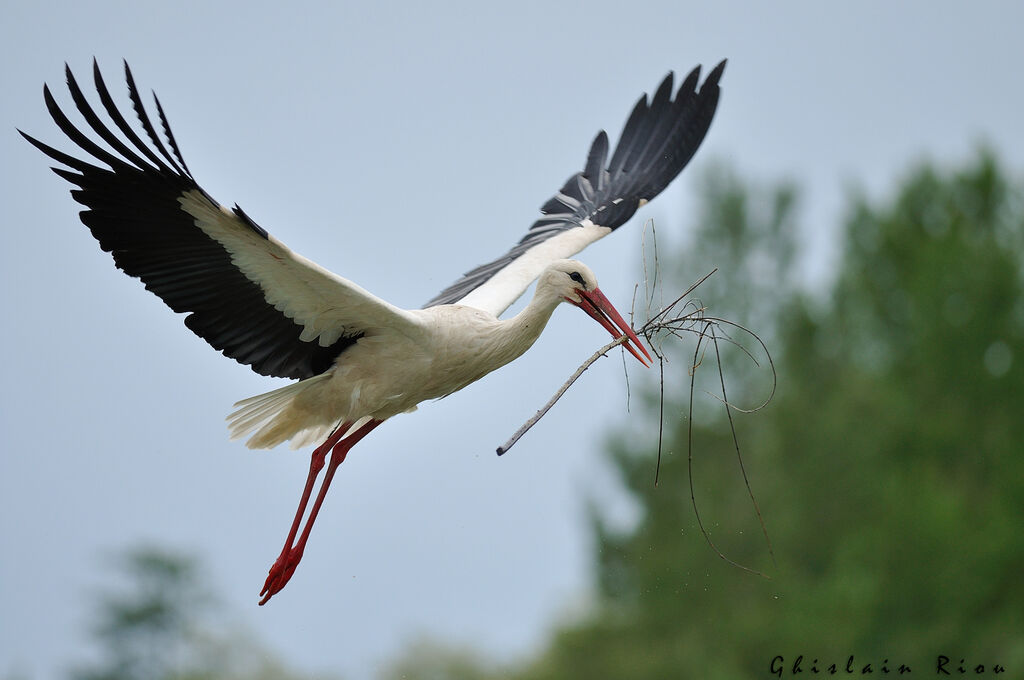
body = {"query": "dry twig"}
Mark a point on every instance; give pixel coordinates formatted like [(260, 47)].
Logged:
[(682, 315), (558, 395)]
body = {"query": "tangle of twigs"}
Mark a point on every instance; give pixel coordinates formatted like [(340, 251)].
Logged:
[(682, 315)]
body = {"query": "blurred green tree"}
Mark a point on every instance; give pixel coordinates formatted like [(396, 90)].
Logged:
[(430, 659), (158, 624), (889, 465), (143, 628)]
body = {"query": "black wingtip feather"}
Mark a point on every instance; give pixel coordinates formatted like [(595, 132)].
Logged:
[(689, 84), (663, 93), (596, 158), (169, 134), (56, 155), (147, 123), (629, 132)]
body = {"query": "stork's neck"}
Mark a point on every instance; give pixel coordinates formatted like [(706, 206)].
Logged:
[(523, 329), (488, 343)]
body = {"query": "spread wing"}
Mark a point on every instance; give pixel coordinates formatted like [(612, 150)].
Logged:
[(657, 142), (245, 292)]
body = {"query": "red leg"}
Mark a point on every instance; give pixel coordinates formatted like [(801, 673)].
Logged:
[(288, 560), (316, 464)]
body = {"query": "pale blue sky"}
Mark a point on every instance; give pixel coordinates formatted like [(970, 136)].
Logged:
[(400, 146)]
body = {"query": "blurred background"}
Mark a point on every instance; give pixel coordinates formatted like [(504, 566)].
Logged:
[(861, 194)]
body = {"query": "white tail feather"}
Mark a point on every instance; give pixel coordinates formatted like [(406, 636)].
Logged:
[(270, 420)]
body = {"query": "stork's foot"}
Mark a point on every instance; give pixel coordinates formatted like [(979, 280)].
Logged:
[(280, 573)]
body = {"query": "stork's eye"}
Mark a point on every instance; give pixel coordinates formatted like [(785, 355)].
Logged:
[(575, 276)]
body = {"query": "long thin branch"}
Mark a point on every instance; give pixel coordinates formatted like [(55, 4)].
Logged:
[(558, 395)]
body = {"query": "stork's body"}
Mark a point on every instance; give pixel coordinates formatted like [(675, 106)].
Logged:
[(357, 359), (416, 356)]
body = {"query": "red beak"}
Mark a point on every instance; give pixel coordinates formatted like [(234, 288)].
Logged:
[(601, 310)]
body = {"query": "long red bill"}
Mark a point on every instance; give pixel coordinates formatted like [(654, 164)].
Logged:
[(601, 310)]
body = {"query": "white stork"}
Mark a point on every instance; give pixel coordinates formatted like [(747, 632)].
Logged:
[(357, 359)]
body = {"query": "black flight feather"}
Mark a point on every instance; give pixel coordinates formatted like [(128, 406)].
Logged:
[(133, 210), (656, 143)]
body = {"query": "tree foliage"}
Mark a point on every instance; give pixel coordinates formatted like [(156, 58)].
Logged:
[(888, 467), (160, 622)]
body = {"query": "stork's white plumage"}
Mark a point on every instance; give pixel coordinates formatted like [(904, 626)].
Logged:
[(358, 359)]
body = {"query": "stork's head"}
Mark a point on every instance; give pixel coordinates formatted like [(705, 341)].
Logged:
[(575, 283)]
